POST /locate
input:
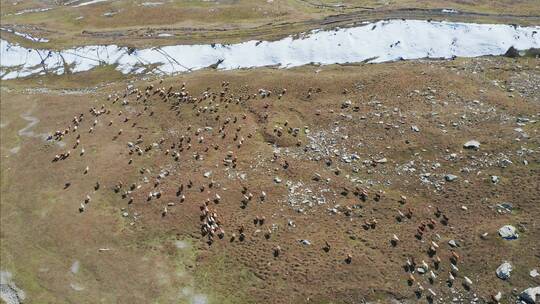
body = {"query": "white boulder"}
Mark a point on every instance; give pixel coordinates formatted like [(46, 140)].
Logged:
[(503, 271), (508, 232), (472, 144), (529, 295)]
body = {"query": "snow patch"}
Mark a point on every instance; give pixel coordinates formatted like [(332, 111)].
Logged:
[(449, 11), (381, 41), (151, 4), (33, 10), (76, 286), (89, 3), (25, 36), (75, 267), (181, 244), (9, 292)]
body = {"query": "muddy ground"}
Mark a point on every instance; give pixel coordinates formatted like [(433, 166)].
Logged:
[(273, 186)]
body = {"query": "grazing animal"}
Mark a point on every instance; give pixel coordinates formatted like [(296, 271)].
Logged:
[(277, 251)]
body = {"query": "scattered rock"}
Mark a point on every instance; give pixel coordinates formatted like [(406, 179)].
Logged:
[(472, 144), (346, 104), (453, 243), (529, 295), (503, 163), (515, 53), (503, 271), (508, 232), (504, 208), (450, 177), (305, 242), (512, 52)]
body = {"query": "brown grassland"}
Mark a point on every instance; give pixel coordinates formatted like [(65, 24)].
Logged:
[(144, 23), (155, 258)]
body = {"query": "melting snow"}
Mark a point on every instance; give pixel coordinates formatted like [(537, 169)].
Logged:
[(373, 42), (90, 2), (75, 267), (33, 10), (151, 4), (449, 11), (26, 36), (9, 292)]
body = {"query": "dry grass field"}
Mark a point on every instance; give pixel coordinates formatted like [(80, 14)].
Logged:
[(391, 130), (156, 23), (316, 184)]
